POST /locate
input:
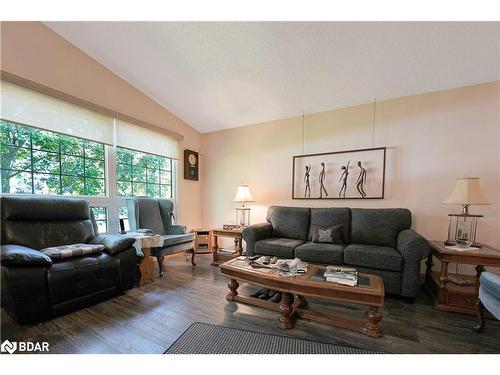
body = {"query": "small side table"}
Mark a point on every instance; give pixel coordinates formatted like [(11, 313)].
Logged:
[(202, 242), (221, 255), (448, 296), (146, 267)]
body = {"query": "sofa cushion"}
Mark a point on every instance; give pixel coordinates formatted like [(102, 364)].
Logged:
[(174, 239), (373, 256), (71, 251), (322, 234), (76, 277), (320, 253), (280, 247), (327, 217), (289, 222), (379, 226)]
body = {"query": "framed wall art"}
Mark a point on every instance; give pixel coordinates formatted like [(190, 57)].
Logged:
[(351, 174), (191, 165)]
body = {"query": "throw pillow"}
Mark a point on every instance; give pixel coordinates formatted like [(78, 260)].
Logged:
[(70, 251), (321, 234)]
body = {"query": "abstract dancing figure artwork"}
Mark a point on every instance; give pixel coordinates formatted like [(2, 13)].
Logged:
[(343, 178), (307, 190), (322, 177), (360, 183)]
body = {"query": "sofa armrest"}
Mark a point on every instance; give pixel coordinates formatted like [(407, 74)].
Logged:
[(177, 229), (412, 245), (21, 256), (113, 243), (254, 233)]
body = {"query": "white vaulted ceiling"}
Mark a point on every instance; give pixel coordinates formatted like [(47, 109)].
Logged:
[(217, 75)]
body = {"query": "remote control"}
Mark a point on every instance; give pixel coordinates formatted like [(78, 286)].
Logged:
[(274, 260), (254, 257), (267, 260)]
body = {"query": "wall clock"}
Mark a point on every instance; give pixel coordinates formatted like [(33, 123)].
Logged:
[(191, 163)]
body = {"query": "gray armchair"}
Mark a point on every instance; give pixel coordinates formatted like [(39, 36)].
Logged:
[(157, 215)]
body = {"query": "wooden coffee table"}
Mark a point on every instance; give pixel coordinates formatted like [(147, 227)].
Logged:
[(369, 292)]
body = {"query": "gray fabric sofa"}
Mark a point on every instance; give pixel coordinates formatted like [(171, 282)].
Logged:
[(377, 241), (157, 215)]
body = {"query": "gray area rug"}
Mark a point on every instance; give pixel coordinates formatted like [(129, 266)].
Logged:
[(202, 338)]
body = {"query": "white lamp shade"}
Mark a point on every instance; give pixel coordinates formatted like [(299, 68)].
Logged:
[(467, 191), (243, 194)]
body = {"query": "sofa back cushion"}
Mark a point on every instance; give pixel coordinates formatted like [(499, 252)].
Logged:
[(329, 217), (379, 226), (290, 222)]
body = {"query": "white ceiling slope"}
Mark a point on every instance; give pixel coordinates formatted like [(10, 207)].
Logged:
[(217, 75)]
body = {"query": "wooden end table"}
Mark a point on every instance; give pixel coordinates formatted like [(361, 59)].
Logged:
[(369, 292), (448, 296), (221, 255)]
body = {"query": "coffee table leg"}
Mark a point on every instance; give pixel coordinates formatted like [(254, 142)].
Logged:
[(372, 328), (285, 320), (233, 289), (302, 301)]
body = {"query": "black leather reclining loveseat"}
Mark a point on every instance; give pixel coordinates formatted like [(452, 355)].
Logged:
[(34, 286)]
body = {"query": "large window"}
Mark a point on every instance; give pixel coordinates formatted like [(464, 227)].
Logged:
[(36, 161), (140, 173), (52, 144)]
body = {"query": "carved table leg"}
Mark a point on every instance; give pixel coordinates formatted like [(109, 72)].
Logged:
[(372, 328), (215, 249), (302, 301), (443, 279), (146, 268), (285, 320), (160, 265), (239, 246), (233, 289), (480, 316), (193, 253)]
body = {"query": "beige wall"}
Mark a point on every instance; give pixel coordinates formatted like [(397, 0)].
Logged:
[(33, 51), (431, 140)]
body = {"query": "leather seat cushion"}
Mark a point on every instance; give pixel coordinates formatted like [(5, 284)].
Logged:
[(372, 256), (320, 253), (174, 239), (280, 247), (76, 277)]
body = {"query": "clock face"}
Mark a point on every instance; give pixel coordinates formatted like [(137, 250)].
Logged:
[(192, 159)]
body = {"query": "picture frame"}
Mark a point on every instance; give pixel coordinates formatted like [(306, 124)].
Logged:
[(322, 175), (191, 165)]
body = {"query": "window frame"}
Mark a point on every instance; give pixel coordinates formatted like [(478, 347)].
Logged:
[(110, 199)]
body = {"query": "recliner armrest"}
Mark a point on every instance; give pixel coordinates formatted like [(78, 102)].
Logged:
[(412, 245), (113, 243), (255, 233), (17, 255), (177, 229)]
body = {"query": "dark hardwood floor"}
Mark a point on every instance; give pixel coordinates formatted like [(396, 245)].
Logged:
[(150, 318)]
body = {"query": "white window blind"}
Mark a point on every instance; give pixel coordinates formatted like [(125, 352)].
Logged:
[(29, 107), (146, 140)]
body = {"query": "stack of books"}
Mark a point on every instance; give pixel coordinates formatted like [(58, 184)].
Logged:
[(341, 275)]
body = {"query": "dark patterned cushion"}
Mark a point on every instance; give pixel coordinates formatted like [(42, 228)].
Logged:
[(321, 234), (70, 251)]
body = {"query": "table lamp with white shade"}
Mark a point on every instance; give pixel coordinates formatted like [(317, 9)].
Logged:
[(462, 228), (243, 196)]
